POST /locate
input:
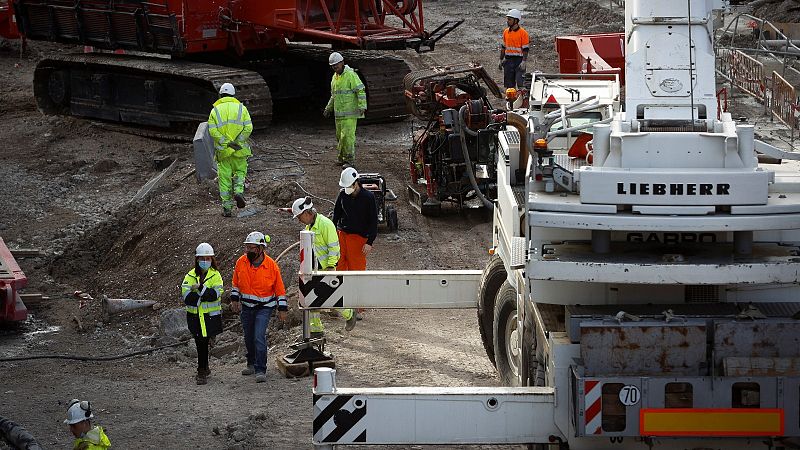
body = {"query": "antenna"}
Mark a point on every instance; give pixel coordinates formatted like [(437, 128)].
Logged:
[(691, 63)]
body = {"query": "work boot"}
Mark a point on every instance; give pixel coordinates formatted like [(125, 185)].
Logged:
[(261, 377), (240, 203), (226, 212), (205, 371), (249, 370), (351, 322), (200, 378)]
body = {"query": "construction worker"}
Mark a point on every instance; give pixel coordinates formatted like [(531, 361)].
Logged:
[(229, 125), (87, 437), (514, 51), (356, 217), (326, 253), (257, 291), (201, 291), (348, 103)]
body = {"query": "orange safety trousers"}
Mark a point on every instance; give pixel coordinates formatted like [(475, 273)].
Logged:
[(350, 245)]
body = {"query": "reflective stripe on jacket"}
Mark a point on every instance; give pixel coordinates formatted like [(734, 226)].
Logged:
[(94, 439), (259, 286), (348, 96), (206, 301), (326, 242), (515, 42), (229, 121)]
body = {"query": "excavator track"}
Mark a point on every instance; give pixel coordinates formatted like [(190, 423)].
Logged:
[(164, 93), (382, 76)]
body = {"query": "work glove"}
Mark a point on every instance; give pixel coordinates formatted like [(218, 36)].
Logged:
[(225, 153), (326, 112), (500, 64), (523, 65)]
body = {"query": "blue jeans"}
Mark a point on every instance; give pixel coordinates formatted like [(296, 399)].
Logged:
[(255, 322)]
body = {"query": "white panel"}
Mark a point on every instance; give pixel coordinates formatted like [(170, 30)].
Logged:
[(637, 222), (674, 187), (390, 289), (421, 415)]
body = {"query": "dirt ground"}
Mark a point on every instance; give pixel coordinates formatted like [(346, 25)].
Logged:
[(67, 190)]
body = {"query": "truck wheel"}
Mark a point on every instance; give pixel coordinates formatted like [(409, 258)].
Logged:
[(492, 278), (507, 341), (391, 218)]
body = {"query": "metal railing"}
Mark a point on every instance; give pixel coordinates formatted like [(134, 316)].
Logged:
[(784, 103)]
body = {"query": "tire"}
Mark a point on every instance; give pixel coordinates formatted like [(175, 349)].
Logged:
[(507, 345), (492, 278), (391, 218)]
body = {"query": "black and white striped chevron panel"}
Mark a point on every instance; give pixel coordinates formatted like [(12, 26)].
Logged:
[(339, 419), (321, 291)]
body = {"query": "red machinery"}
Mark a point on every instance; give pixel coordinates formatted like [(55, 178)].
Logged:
[(11, 281), (8, 24), (209, 42), (592, 53)]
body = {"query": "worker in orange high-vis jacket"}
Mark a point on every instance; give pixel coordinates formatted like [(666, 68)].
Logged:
[(356, 218), (257, 291), (514, 51)]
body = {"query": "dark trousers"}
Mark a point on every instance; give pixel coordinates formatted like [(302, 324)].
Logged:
[(512, 76), (202, 352)]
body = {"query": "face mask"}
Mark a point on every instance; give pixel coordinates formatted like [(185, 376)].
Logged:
[(204, 264), (252, 256), (349, 190)]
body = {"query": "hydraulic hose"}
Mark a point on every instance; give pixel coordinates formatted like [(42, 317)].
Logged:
[(115, 357), (461, 126), (17, 436)]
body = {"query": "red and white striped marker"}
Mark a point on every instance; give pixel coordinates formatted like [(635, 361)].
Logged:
[(593, 396)]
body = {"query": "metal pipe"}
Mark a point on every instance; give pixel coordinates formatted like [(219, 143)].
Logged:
[(306, 267), (563, 131)]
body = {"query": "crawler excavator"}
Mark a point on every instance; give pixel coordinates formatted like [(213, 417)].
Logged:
[(178, 53)]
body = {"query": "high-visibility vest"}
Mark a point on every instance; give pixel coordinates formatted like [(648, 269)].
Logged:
[(212, 281), (515, 42), (348, 95), (259, 286), (94, 439), (326, 242), (229, 121)]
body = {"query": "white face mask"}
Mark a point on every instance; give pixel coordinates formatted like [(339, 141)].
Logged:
[(350, 190)]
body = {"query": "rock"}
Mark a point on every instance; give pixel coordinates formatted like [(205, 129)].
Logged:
[(173, 322), (239, 436), (215, 430), (221, 350)]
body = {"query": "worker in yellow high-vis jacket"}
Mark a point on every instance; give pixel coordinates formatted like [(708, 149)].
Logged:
[(229, 125), (348, 103), (326, 254)]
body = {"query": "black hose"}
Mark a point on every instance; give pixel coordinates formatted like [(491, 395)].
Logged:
[(489, 205), (17, 436)]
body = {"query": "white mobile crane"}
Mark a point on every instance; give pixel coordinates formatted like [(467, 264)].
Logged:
[(646, 300)]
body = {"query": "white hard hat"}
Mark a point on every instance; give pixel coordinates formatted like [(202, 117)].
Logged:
[(348, 177), (335, 58), (257, 238), (78, 411), (300, 205), (514, 14), (227, 89), (204, 249)]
